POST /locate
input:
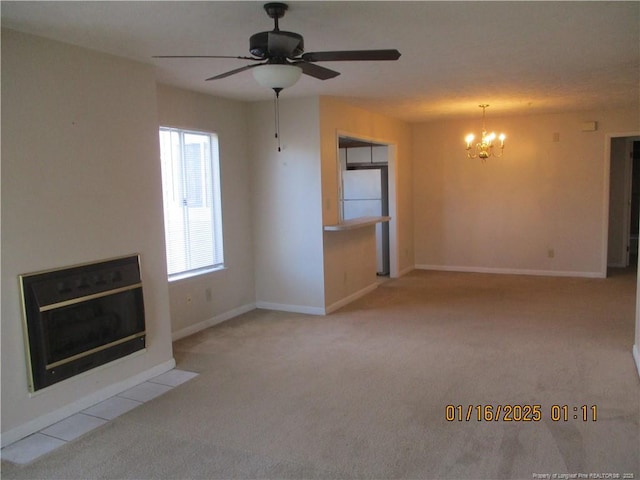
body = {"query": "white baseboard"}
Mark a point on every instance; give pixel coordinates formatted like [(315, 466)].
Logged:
[(191, 329), (512, 271), (283, 307), (43, 421), (636, 356), (404, 271), (354, 296)]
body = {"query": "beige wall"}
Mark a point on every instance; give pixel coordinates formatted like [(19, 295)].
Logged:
[(298, 266), (80, 183), (232, 289), (286, 201), (507, 214), (343, 276)]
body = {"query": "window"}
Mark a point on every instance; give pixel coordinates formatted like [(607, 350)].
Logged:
[(192, 210)]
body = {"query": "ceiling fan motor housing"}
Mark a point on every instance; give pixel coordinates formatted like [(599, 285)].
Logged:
[(259, 44)]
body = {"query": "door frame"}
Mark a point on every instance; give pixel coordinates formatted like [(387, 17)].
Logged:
[(606, 192), (628, 196)]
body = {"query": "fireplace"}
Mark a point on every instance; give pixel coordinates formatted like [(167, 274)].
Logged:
[(81, 317)]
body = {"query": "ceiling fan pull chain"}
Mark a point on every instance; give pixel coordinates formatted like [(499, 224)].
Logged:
[(277, 115)]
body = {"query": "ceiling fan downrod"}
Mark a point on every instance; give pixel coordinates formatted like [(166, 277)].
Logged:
[(276, 11)]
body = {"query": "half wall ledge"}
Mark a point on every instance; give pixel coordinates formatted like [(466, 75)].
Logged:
[(355, 223)]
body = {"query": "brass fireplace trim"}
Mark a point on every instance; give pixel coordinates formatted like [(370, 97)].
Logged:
[(53, 365), (25, 334), (73, 301)]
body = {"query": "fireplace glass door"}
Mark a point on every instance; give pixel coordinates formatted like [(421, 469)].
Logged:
[(81, 317)]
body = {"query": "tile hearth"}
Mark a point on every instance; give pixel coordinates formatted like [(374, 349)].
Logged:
[(48, 439)]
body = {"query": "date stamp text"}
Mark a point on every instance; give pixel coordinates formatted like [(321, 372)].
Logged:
[(520, 413)]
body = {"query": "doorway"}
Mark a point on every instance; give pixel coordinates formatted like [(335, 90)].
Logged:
[(622, 149), (624, 201), (634, 222), (364, 189)]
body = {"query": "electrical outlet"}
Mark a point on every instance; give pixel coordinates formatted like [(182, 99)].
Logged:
[(188, 298), (207, 294), (551, 253)]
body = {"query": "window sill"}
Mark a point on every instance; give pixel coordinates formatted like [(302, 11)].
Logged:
[(194, 273)]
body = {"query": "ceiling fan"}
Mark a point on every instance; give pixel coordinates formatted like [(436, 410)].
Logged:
[(286, 49)]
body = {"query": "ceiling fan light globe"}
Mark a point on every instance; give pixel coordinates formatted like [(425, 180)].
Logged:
[(277, 76)]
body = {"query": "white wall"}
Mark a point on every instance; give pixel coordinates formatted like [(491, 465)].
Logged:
[(507, 214), (80, 183), (287, 210), (232, 289)]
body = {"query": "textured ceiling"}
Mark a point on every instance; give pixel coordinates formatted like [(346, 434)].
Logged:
[(519, 57)]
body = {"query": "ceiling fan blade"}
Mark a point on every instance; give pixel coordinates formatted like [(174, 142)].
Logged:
[(316, 71), (351, 55), (233, 72), (282, 44), (206, 56)]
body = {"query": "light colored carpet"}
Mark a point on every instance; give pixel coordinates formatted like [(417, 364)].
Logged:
[(362, 393)]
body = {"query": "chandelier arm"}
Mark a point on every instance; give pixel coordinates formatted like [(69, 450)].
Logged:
[(472, 149)]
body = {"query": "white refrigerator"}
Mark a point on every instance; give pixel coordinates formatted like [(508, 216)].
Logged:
[(364, 193)]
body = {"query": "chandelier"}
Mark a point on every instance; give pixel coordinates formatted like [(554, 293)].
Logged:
[(484, 148)]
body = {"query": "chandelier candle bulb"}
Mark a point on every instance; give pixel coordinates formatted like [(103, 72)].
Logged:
[(469, 139)]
